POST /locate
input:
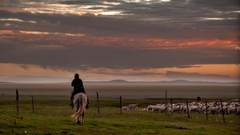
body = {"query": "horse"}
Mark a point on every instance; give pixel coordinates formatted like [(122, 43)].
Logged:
[(80, 102)]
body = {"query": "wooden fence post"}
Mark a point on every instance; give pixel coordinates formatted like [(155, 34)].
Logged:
[(171, 102), (120, 104), (206, 109), (33, 107), (188, 112), (98, 104), (222, 111), (166, 101), (17, 102)]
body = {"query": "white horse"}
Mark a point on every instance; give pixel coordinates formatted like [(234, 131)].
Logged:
[(80, 102)]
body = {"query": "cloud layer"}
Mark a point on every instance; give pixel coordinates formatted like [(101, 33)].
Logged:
[(119, 34)]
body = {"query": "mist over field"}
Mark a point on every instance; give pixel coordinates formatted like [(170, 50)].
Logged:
[(129, 89)]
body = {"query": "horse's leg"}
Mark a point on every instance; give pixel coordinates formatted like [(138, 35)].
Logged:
[(78, 122), (78, 119), (82, 117)]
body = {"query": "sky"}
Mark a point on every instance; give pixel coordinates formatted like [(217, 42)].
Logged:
[(133, 40)]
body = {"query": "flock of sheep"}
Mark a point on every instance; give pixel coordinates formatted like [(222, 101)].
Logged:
[(215, 107)]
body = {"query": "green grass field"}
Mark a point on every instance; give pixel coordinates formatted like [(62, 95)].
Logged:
[(52, 116)]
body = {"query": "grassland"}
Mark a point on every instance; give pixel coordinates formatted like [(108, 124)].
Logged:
[(52, 116)]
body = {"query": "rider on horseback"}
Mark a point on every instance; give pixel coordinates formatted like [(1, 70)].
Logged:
[(78, 87)]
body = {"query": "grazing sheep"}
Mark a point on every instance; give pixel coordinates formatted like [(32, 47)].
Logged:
[(130, 107), (232, 107)]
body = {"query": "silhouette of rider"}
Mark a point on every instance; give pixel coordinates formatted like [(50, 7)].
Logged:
[(78, 87)]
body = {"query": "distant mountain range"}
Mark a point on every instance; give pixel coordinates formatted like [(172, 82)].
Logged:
[(5, 82), (119, 81), (164, 82)]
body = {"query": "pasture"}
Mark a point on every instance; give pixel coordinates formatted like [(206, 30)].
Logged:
[(52, 116)]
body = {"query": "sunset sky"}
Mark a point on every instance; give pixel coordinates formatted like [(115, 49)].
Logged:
[(134, 40)]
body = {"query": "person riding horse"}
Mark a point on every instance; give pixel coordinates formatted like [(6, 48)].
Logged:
[(78, 87)]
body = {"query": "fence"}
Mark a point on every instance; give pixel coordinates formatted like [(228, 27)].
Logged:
[(168, 102)]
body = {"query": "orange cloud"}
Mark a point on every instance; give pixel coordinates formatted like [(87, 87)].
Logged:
[(11, 69), (120, 41), (132, 74)]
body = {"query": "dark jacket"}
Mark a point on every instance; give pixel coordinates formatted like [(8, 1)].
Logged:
[(77, 85)]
